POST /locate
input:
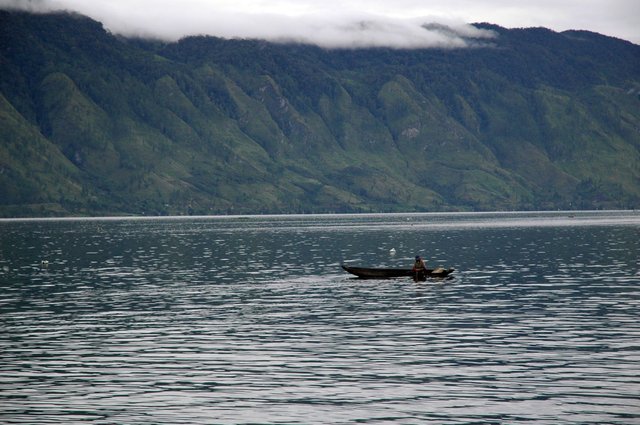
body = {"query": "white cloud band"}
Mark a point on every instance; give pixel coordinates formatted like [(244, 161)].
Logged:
[(346, 23), (171, 20)]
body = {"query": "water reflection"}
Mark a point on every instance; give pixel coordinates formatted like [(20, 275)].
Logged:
[(239, 320)]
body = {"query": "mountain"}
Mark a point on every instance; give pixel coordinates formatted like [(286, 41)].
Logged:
[(92, 123)]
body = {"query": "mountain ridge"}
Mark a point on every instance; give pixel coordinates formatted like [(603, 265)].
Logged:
[(540, 120)]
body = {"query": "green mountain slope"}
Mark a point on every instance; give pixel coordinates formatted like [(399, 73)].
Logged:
[(91, 123)]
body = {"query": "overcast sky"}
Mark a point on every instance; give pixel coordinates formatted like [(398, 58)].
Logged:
[(348, 23)]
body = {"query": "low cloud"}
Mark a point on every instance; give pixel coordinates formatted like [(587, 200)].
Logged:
[(172, 20), (35, 6)]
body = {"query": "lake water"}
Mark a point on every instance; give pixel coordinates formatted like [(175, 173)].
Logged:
[(230, 320)]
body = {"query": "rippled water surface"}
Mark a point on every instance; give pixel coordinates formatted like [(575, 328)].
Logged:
[(229, 320)]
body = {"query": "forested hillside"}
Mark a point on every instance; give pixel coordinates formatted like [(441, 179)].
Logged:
[(92, 124)]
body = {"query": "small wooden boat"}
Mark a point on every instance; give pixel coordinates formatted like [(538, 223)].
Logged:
[(384, 273)]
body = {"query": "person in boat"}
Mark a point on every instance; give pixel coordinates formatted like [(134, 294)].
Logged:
[(419, 269)]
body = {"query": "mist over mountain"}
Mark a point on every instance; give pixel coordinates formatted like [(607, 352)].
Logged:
[(327, 26), (94, 123)]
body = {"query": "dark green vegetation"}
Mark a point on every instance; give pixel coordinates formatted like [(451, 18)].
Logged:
[(91, 123)]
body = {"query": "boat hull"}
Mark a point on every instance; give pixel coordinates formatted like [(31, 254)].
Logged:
[(388, 273)]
